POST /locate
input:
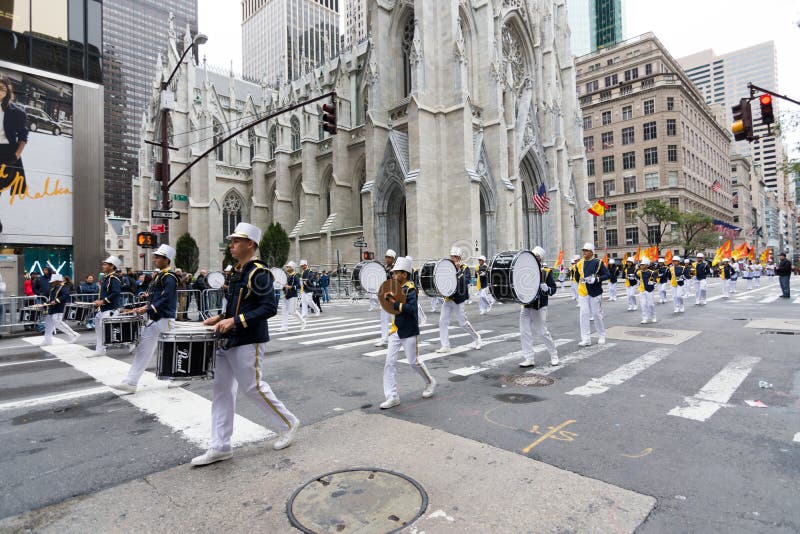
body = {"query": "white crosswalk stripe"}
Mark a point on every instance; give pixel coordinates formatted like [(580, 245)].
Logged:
[(426, 343), (769, 299), (496, 362), (569, 359), (314, 327), (355, 331), (595, 386), (370, 341), (717, 392), (458, 350)]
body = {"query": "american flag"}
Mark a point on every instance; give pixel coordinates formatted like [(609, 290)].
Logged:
[(541, 200), (716, 186)]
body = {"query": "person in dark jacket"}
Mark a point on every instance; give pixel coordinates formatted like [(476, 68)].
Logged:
[(290, 291), (784, 272), (613, 278), (533, 317), (403, 333), (456, 304), (57, 298), (324, 283), (648, 278), (243, 327), (108, 300), (13, 138)]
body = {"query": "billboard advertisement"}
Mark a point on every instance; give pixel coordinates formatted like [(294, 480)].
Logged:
[(36, 199)]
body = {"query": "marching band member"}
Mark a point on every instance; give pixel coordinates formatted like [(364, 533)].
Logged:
[(456, 304), (403, 333), (386, 318), (725, 273), (590, 274), (647, 283), (572, 277), (734, 274), (701, 271), (533, 317), (243, 325), (423, 319), (676, 280), (290, 291), (613, 278), (485, 300), (161, 310), (663, 280), (757, 271), (57, 299), (306, 291), (108, 300), (631, 282), (747, 274)]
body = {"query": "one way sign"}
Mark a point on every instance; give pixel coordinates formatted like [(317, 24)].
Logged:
[(164, 214)]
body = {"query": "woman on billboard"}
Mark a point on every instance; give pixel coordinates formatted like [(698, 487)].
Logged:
[(13, 138)]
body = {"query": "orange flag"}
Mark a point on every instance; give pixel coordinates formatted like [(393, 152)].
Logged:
[(723, 251), (740, 252), (751, 254), (638, 255), (605, 259), (560, 259), (668, 257), (624, 258)]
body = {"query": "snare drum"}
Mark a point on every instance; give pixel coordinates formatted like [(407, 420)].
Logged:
[(514, 276), (121, 330), (438, 278), (78, 311), (32, 314), (186, 355), (280, 277), (368, 276)]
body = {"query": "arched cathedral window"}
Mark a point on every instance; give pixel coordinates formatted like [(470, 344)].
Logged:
[(218, 131), (251, 139), (272, 143), (295, 133), (408, 40), (231, 213)]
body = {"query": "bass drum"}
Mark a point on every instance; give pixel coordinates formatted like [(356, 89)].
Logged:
[(368, 276), (514, 276), (280, 277), (438, 278)]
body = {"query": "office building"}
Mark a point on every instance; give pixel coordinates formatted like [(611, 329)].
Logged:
[(594, 24), (355, 21)]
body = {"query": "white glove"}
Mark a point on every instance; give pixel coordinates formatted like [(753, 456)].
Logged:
[(544, 287), (590, 279)]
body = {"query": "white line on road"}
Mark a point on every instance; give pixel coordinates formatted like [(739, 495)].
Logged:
[(369, 341), (28, 361), (797, 438), (496, 362), (177, 408), (595, 386), (717, 297), (458, 350), (326, 327), (51, 399), (371, 329), (574, 357), (769, 299), (426, 343), (718, 391)]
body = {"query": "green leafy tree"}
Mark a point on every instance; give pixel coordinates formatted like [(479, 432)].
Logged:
[(656, 213), (227, 259), (274, 245), (187, 255), (694, 232)]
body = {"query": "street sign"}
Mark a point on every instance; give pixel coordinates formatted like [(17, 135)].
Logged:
[(182, 198), (165, 214), (157, 228), (360, 244)]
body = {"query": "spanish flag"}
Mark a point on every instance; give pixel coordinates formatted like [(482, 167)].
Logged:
[(598, 209), (560, 259)]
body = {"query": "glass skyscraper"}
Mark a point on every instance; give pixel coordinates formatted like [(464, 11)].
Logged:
[(135, 31), (594, 24)]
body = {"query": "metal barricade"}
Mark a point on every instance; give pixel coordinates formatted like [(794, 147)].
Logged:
[(211, 303), (189, 305), (10, 308)]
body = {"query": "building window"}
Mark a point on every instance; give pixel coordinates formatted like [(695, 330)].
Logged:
[(606, 117), (295, 123), (672, 153), (629, 184), (625, 90), (605, 95), (592, 86), (631, 236), (611, 238), (628, 136), (608, 188), (608, 139), (608, 164), (649, 130), (630, 212), (672, 177), (631, 74), (648, 69), (651, 156), (627, 112), (586, 100), (272, 142), (670, 103), (649, 107), (671, 127), (589, 167), (220, 153), (629, 160), (653, 234), (674, 203), (588, 143), (611, 215), (231, 213), (651, 181), (591, 191), (611, 80), (587, 122), (406, 45)]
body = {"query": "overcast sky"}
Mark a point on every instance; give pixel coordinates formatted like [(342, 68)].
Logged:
[(683, 26)]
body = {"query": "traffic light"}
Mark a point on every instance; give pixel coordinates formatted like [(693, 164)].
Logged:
[(767, 116), (368, 256), (329, 117), (742, 126), (147, 240)]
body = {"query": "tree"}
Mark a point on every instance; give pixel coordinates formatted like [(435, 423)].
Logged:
[(227, 259), (655, 211), (694, 232), (187, 255), (274, 245)]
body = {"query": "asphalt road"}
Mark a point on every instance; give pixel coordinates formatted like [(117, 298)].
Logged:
[(660, 409)]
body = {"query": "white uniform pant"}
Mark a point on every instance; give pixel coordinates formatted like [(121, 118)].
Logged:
[(732, 285), (485, 299), (373, 301), (631, 292), (612, 291), (662, 293), (532, 326), (435, 301), (677, 297), (726, 288), (574, 286), (700, 293), (758, 281), (749, 282), (148, 341), (591, 307), (53, 321), (386, 321), (648, 305), (409, 345), (423, 319), (98, 329), (290, 307), (307, 299), (692, 286), (449, 307), (241, 366)]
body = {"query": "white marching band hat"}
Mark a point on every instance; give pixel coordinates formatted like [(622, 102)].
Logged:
[(575, 258), (113, 260), (166, 251), (538, 252), (481, 258), (303, 262), (55, 277), (455, 251), (391, 253), (645, 261), (291, 264), (676, 258), (660, 260), (404, 263), (588, 246), (700, 255), (247, 231), (612, 261)]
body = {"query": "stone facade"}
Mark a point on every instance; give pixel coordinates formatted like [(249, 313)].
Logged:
[(451, 114)]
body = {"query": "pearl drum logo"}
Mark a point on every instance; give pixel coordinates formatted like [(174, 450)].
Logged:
[(182, 360), (116, 334)]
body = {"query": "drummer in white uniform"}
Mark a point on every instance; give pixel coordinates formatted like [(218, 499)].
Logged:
[(456, 304), (290, 292), (485, 300), (533, 317)]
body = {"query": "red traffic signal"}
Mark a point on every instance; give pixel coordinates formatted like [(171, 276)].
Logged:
[(329, 118), (368, 256), (767, 115)]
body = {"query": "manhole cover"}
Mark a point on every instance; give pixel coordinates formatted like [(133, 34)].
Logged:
[(528, 380), (649, 333), (357, 500)]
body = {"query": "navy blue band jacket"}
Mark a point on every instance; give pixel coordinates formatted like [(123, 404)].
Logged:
[(251, 301)]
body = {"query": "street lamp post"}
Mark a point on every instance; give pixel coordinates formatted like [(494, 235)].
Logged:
[(167, 103)]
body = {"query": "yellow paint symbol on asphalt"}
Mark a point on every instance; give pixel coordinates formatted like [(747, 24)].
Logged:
[(642, 454), (553, 432)]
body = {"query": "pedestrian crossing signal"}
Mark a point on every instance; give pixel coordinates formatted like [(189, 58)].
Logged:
[(147, 240), (368, 256)]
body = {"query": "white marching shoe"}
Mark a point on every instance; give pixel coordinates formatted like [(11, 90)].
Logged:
[(527, 362), (601, 340), (391, 402), (554, 359), (125, 387), (585, 343), (287, 437), (381, 343), (477, 344), (211, 456), (443, 350), (428, 391)]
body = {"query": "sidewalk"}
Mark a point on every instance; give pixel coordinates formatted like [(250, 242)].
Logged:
[(472, 487)]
